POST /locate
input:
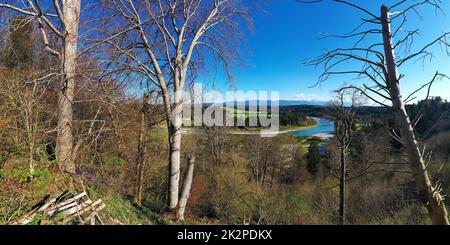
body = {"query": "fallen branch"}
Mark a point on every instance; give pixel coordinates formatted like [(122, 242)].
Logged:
[(71, 208)]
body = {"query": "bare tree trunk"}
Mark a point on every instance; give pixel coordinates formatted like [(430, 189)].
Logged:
[(272, 178), (71, 13), (429, 195), (342, 188), (186, 188), (117, 132), (142, 149), (30, 135), (344, 134), (265, 166), (175, 148)]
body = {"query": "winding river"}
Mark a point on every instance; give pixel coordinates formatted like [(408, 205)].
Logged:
[(325, 128)]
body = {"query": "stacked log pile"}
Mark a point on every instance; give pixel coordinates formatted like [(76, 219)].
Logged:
[(78, 208)]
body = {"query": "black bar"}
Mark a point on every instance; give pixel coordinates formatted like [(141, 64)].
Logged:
[(129, 235)]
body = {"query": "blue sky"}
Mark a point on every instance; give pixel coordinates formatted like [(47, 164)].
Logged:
[(290, 32)]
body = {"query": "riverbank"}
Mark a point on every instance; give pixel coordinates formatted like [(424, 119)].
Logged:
[(282, 130), (324, 136), (294, 130)]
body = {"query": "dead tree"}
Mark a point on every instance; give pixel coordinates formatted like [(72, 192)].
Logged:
[(380, 68), (62, 22), (344, 123), (165, 41)]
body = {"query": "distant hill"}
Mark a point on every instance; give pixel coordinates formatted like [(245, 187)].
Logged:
[(303, 102), (280, 103)]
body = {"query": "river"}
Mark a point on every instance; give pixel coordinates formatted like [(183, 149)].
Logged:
[(325, 129)]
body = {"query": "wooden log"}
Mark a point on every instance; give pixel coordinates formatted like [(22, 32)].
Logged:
[(70, 200), (77, 208), (72, 207), (94, 214), (100, 219), (30, 215), (66, 204), (92, 206), (80, 210), (54, 211)]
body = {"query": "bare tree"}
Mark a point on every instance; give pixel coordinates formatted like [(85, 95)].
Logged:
[(344, 123), (165, 41), (380, 68), (22, 99), (216, 141), (62, 22), (21, 88), (266, 157), (142, 149)]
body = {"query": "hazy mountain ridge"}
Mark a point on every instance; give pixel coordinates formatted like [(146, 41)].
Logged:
[(269, 103)]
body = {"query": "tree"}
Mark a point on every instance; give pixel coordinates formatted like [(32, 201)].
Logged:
[(266, 158), (186, 187), (216, 141), (20, 92), (63, 23), (380, 67), (344, 124), (314, 158), (165, 41), (18, 50), (142, 149)]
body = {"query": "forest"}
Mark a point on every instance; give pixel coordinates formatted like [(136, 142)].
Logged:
[(91, 121)]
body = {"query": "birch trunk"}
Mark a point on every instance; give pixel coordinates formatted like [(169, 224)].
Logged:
[(431, 198), (30, 137), (64, 152), (175, 148), (142, 149), (186, 189)]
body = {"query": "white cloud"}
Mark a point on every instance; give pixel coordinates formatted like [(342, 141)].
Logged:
[(306, 97)]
